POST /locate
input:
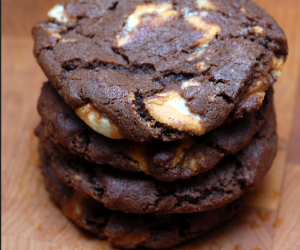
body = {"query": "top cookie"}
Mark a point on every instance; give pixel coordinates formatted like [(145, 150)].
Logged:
[(159, 69)]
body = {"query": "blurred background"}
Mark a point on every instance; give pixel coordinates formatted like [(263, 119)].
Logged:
[(271, 220)]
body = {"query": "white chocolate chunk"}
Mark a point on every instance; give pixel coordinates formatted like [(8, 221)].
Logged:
[(53, 30), (53, 27), (258, 88), (134, 19), (212, 98), (258, 29), (180, 152), (138, 152), (189, 83), (101, 124), (58, 13), (157, 14), (170, 108), (203, 14), (210, 30), (277, 73), (263, 83), (205, 4), (69, 40), (186, 13), (243, 10), (202, 66), (198, 52), (258, 97)]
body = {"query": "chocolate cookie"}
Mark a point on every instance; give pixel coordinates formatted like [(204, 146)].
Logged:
[(139, 193), (166, 161), (159, 69), (132, 230)]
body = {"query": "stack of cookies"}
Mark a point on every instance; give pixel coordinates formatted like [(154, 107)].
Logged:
[(158, 115)]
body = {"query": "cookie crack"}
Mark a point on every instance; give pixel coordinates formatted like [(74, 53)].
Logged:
[(114, 6), (125, 58), (170, 78), (226, 98)]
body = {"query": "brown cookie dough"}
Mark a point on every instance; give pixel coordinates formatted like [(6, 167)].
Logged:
[(138, 193), (166, 161), (159, 69), (132, 230)]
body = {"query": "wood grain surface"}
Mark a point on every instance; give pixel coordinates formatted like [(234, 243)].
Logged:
[(271, 220)]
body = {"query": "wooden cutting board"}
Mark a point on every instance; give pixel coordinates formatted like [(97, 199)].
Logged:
[(271, 219)]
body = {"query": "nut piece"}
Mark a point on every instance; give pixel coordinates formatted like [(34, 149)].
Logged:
[(243, 10), (192, 163), (154, 14), (277, 66), (257, 97), (101, 124), (73, 207), (260, 85), (170, 108), (205, 4), (56, 35), (128, 240), (260, 97), (76, 177), (58, 13)]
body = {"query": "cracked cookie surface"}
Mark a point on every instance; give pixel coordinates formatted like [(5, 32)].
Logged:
[(166, 161), (160, 69), (139, 193), (131, 230)]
